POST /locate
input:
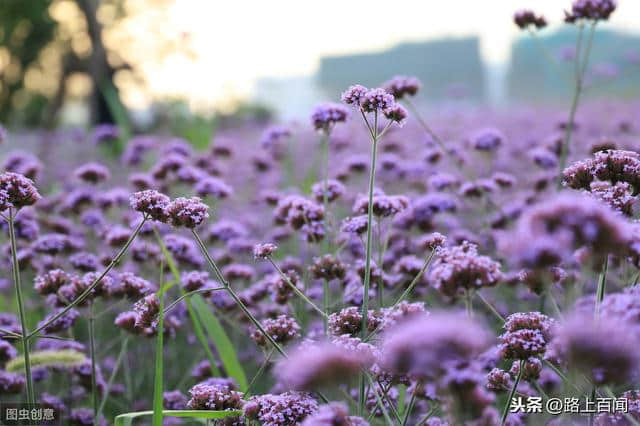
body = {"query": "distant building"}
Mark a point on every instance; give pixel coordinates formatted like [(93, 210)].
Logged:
[(291, 97), (448, 68), (542, 68)]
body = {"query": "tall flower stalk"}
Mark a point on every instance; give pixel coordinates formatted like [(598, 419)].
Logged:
[(24, 338), (324, 118), (381, 104)]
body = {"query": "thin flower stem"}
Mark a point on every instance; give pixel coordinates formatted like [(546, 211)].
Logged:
[(259, 373), (324, 143), (468, 302), (426, 417), (95, 283), (505, 411), (10, 334), (23, 319), (425, 126), (234, 296), (92, 350), (415, 280), (580, 69), (367, 265), (490, 306), (372, 386), (412, 402), (189, 294), (602, 283), (114, 372), (296, 289)]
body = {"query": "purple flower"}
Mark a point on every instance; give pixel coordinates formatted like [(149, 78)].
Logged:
[(326, 115), (310, 366), (92, 173), (282, 329), (17, 191), (376, 100), (526, 18), (286, 409), (426, 345), (187, 212), (593, 10), (461, 268), (354, 95), (264, 250), (152, 203), (214, 397), (401, 86)]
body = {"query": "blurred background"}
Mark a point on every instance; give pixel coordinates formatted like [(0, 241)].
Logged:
[(145, 63)]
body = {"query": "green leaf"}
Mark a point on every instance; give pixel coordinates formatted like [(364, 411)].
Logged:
[(225, 348), (158, 379), (197, 327), (127, 418)]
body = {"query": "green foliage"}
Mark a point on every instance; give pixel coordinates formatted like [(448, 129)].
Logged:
[(225, 348), (127, 418)]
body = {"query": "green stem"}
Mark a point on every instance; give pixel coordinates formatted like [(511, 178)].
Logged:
[(415, 280), (580, 69), (602, 283), (295, 288), (234, 296), (21, 311), (116, 367), (258, 373), (95, 283), (92, 349), (367, 265), (505, 412)]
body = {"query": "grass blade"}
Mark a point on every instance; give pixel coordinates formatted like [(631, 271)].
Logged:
[(158, 375), (197, 327), (225, 348), (126, 419)]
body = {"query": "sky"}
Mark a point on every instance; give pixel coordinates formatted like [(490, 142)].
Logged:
[(230, 44)]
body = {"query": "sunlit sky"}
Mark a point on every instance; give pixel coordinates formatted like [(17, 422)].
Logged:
[(229, 44)]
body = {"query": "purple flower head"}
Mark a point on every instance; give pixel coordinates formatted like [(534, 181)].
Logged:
[(92, 173), (334, 190), (332, 414), (310, 366), (397, 114), (488, 139), (593, 10), (326, 115), (211, 186), (527, 18), (420, 345), (147, 309), (50, 282), (11, 383), (17, 191), (401, 86), (174, 400), (214, 397), (460, 268), (354, 95), (602, 349), (264, 250), (63, 323), (550, 232), (283, 329), (105, 133), (285, 409), (327, 267), (152, 203), (377, 100), (7, 352), (187, 212)]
